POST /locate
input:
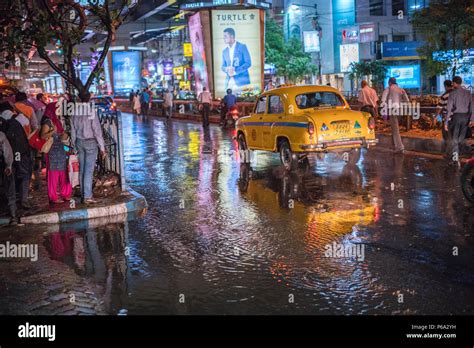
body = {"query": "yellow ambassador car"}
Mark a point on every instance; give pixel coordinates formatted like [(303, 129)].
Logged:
[(299, 120)]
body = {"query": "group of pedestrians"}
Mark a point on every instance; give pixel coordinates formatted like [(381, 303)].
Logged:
[(141, 102), (454, 109), (26, 122)]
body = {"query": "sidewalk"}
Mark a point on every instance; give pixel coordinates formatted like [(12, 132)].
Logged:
[(112, 201)]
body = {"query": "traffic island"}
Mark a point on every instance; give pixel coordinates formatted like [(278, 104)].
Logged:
[(112, 201)]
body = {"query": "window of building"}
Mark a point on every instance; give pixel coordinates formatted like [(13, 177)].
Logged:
[(398, 38), (398, 5), (376, 7)]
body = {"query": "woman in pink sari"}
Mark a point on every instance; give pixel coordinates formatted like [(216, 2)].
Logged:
[(56, 158)]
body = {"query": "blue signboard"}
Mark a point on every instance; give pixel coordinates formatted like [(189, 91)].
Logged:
[(126, 71), (408, 76), (400, 50)]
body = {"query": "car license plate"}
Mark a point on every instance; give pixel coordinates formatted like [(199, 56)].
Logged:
[(341, 127)]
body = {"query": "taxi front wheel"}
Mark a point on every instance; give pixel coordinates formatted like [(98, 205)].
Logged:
[(243, 149), (288, 158)]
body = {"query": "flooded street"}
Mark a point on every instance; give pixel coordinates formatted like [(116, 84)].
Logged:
[(221, 238)]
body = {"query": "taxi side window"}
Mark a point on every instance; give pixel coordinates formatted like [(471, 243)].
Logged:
[(261, 105), (275, 105)]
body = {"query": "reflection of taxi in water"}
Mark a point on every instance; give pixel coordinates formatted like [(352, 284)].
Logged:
[(298, 120), (334, 203)]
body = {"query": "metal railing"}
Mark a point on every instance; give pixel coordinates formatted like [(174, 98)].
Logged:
[(111, 123)]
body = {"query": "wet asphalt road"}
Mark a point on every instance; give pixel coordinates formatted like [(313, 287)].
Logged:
[(221, 238)]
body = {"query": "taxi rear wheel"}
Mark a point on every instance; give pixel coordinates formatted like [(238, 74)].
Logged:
[(243, 149), (353, 156), (288, 158)]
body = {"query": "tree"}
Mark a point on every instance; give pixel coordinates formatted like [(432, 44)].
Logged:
[(447, 29), (288, 57), (35, 25), (375, 70)]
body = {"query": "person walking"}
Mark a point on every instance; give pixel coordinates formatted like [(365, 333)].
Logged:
[(21, 104), (392, 99), (205, 100), (459, 116), (86, 135), (442, 114), (167, 104), (136, 104), (56, 158), (144, 101), (368, 98), (6, 172), (16, 134), (130, 99)]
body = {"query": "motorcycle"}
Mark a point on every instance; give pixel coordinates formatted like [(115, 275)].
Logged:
[(467, 180), (232, 114)]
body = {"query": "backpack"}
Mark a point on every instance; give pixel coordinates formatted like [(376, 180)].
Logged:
[(17, 137)]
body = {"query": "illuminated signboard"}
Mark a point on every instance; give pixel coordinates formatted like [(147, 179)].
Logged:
[(188, 49), (350, 34), (126, 71), (311, 41), (207, 4), (400, 50), (408, 76), (237, 51), (349, 53), (167, 68), (179, 70), (201, 78), (367, 33)]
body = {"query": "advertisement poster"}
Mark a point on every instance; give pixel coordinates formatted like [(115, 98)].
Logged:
[(349, 53), (126, 71), (237, 52), (408, 76), (311, 41), (199, 54), (168, 68)]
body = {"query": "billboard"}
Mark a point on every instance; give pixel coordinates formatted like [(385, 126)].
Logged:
[(201, 78), (237, 51), (400, 50), (349, 53), (126, 71), (311, 41), (408, 76)]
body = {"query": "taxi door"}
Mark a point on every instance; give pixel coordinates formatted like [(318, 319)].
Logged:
[(254, 125), (272, 118)]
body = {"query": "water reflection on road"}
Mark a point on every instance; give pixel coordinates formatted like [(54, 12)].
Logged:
[(221, 237)]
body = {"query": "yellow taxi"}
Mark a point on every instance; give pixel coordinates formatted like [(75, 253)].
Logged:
[(299, 120)]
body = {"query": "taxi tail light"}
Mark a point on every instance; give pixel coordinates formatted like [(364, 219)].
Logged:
[(311, 128), (372, 123)]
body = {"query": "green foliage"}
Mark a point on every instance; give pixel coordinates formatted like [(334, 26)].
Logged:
[(288, 57), (39, 24), (446, 27), (376, 69)]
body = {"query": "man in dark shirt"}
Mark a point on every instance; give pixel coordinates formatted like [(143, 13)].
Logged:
[(442, 114), (459, 116), (229, 101)]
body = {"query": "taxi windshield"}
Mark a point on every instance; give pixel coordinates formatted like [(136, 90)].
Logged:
[(318, 100)]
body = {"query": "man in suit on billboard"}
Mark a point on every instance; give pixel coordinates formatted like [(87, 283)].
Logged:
[(235, 61)]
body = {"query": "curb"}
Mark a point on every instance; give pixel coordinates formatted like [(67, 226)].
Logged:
[(136, 204), (426, 145)]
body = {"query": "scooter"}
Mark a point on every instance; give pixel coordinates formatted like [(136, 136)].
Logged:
[(467, 180), (231, 116)]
